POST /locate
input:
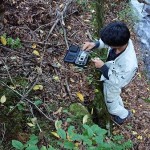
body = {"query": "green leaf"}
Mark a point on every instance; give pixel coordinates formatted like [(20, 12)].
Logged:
[(77, 137), (61, 133), (38, 102), (87, 141), (69, 145), (33, 140), (118, 137), (58, 124), (43, 148), (99, 139), (89, 130), (32, 147), (51, 148), (97, 130), (17, 144), (70, 130), (69, 120)]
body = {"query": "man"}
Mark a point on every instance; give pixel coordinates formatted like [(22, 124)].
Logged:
[(119, 69)]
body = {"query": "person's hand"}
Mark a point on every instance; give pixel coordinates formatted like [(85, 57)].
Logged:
[(88, 45), (98, 63)]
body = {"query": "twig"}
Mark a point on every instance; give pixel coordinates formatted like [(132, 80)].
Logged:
[(31, 110), (8, 72), (3, 134), (8, 49), (27, 100), (65, 36), (89, 35), (13, 108), (29, 90), (42, 43), (119, 125), (68, 89), (60, 16), (54, 21)]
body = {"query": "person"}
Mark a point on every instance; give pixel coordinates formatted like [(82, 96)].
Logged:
[(119, 68)]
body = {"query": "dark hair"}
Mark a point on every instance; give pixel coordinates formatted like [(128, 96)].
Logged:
[(115, 34)]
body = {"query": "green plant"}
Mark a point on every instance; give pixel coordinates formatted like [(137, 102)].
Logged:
[(128, 15), (92, 138), (90, 78), (13, 43), (82, 2), (147, 100), (29, 145)]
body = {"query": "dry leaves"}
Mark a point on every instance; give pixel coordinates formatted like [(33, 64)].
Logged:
[(80, 96)]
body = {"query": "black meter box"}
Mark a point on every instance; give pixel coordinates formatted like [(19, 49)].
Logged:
[(76, 56)]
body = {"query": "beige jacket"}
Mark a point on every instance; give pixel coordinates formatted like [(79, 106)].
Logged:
[(123, 68)]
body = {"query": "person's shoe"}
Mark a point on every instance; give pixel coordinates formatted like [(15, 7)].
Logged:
[(120, 121)]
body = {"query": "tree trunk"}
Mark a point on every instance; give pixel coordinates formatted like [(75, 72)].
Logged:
[(99, 5)]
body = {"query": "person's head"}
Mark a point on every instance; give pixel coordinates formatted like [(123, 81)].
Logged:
[(115, 34)]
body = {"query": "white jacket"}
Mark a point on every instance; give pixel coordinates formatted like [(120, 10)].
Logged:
[(123, 68)]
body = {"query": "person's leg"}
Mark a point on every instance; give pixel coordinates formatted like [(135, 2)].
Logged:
[(114, 101)]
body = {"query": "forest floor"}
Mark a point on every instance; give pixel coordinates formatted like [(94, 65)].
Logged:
[(40, 62)]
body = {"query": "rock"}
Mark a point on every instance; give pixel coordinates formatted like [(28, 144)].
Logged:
[(79, 111)]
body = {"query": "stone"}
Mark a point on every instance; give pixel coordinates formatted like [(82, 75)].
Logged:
[(79, 111)]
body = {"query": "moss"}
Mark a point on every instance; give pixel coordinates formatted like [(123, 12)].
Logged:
[(79, 111)]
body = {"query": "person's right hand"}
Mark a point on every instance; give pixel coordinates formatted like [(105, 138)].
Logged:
[(88, 45)]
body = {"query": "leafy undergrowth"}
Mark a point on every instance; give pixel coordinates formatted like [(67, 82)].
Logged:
[(37, 72)]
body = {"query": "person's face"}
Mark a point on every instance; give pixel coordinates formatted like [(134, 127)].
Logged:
[(116, 47), (120, 48)]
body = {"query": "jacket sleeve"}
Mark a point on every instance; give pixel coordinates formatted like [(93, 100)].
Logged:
[(100, 44)]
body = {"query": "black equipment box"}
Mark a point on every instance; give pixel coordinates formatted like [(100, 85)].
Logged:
[(76, 56)]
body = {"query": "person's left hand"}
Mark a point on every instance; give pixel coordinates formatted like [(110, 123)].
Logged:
[(98, 63)]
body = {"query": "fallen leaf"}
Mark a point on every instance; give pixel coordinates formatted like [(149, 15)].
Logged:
[(139, 137), (72, 80), (139, 74), (3, 40), (68, 137), (96, 90), (35, 52), (62, 5), (69, 27), (81, 97), (3, 99), (34, 46), (55, 134), (92, 111), (85, 118), (55, 35), (134, 132), (58, 111), (39, 70), (41, 31), (92, 11), (38, 87), (77, 144), (133, 111), (56, 78), (30, 124), (58, 124), (34, 120), (87, 20)]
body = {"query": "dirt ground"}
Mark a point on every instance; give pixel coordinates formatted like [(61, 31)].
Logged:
[(40, 27)]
